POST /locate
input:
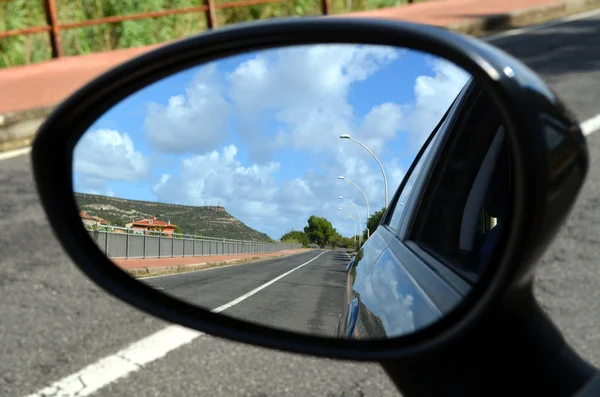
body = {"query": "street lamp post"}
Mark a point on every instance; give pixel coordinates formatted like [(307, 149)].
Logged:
[(364, 195), (359, 219), (354, 223), (347, 136)]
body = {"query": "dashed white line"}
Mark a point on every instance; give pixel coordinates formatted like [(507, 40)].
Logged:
[(134, 357)]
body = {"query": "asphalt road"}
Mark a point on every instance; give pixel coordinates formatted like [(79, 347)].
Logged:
[(308, 300), (55, 322)]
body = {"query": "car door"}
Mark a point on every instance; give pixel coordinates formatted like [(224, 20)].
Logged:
[(431, 237), (372, 249)]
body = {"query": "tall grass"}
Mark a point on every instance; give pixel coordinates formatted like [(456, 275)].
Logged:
[(24, 49)]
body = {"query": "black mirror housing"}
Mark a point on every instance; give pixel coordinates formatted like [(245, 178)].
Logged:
[(548, 150)]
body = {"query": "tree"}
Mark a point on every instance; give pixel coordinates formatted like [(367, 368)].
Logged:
[(178, 229), (320, 231), (295, 237), (347, 242), (373, 222)]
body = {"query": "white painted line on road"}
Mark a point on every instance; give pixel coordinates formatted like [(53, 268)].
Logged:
[(591, 125), (109, 369), (14, 153), (540, 26), (255, 290), (134, 357)]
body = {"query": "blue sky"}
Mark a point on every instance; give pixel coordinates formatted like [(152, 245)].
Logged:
[(259, 133)]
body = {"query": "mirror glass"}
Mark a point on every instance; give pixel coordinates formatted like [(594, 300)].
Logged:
[(257, 186)]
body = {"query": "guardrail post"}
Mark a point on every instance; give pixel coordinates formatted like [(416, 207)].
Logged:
[(52, 21), (159, 243), (326, 7), (106, 243), (211, 14)]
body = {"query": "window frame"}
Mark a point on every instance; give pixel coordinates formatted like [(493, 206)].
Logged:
[(434, 257)]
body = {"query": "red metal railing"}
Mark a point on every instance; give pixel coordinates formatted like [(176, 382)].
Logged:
[(54, 26)]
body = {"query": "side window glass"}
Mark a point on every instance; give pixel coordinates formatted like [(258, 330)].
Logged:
[(463, 210), (422, 166)]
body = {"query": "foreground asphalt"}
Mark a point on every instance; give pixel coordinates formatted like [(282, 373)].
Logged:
[(55, 321)]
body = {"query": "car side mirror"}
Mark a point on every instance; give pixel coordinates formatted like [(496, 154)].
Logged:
[(249, 118)]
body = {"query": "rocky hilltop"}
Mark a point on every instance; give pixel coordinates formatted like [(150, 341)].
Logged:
[(211, 221)]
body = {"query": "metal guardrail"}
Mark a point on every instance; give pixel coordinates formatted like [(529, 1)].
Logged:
[(121, 243), (54, 26)]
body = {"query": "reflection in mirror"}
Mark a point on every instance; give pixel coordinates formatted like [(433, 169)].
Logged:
[(245, 186)]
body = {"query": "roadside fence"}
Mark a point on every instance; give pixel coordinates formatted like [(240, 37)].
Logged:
[(122, 243)]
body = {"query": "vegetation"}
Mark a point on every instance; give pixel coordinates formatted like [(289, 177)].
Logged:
[(373, 223), (295, 237), (206, 221), (21, 14), (320, 231)]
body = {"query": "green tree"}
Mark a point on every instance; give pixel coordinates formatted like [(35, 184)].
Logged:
[(347, 242), (178, 229), (319, 231), (373, 223), (295, 237)]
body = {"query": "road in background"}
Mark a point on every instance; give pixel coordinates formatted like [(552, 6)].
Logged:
[(307, 300), (55, 322)]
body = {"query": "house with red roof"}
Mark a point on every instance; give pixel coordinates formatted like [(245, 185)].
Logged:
[(92, 220), (151, 224)]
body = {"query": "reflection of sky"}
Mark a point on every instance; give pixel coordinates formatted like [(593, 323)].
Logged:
[(391, 294)]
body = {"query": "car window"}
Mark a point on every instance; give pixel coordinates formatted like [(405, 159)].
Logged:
[(462, 211), (399, 205)]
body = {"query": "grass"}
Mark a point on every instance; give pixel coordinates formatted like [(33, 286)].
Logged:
[(25, 49)]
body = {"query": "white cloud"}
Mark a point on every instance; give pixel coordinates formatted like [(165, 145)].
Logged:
[(105, 154), (433, 96), (221, 178), (192, 122), (306, 88), (295, 98)]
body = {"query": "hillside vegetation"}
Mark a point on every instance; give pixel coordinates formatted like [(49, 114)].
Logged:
[(24, 49), (206, 221)]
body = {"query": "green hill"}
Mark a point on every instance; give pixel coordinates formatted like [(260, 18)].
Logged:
[(207, 221)]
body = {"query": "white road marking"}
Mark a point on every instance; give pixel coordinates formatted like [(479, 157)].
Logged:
[(14, 153), (134, 357), (591, 125), (254, 291)]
